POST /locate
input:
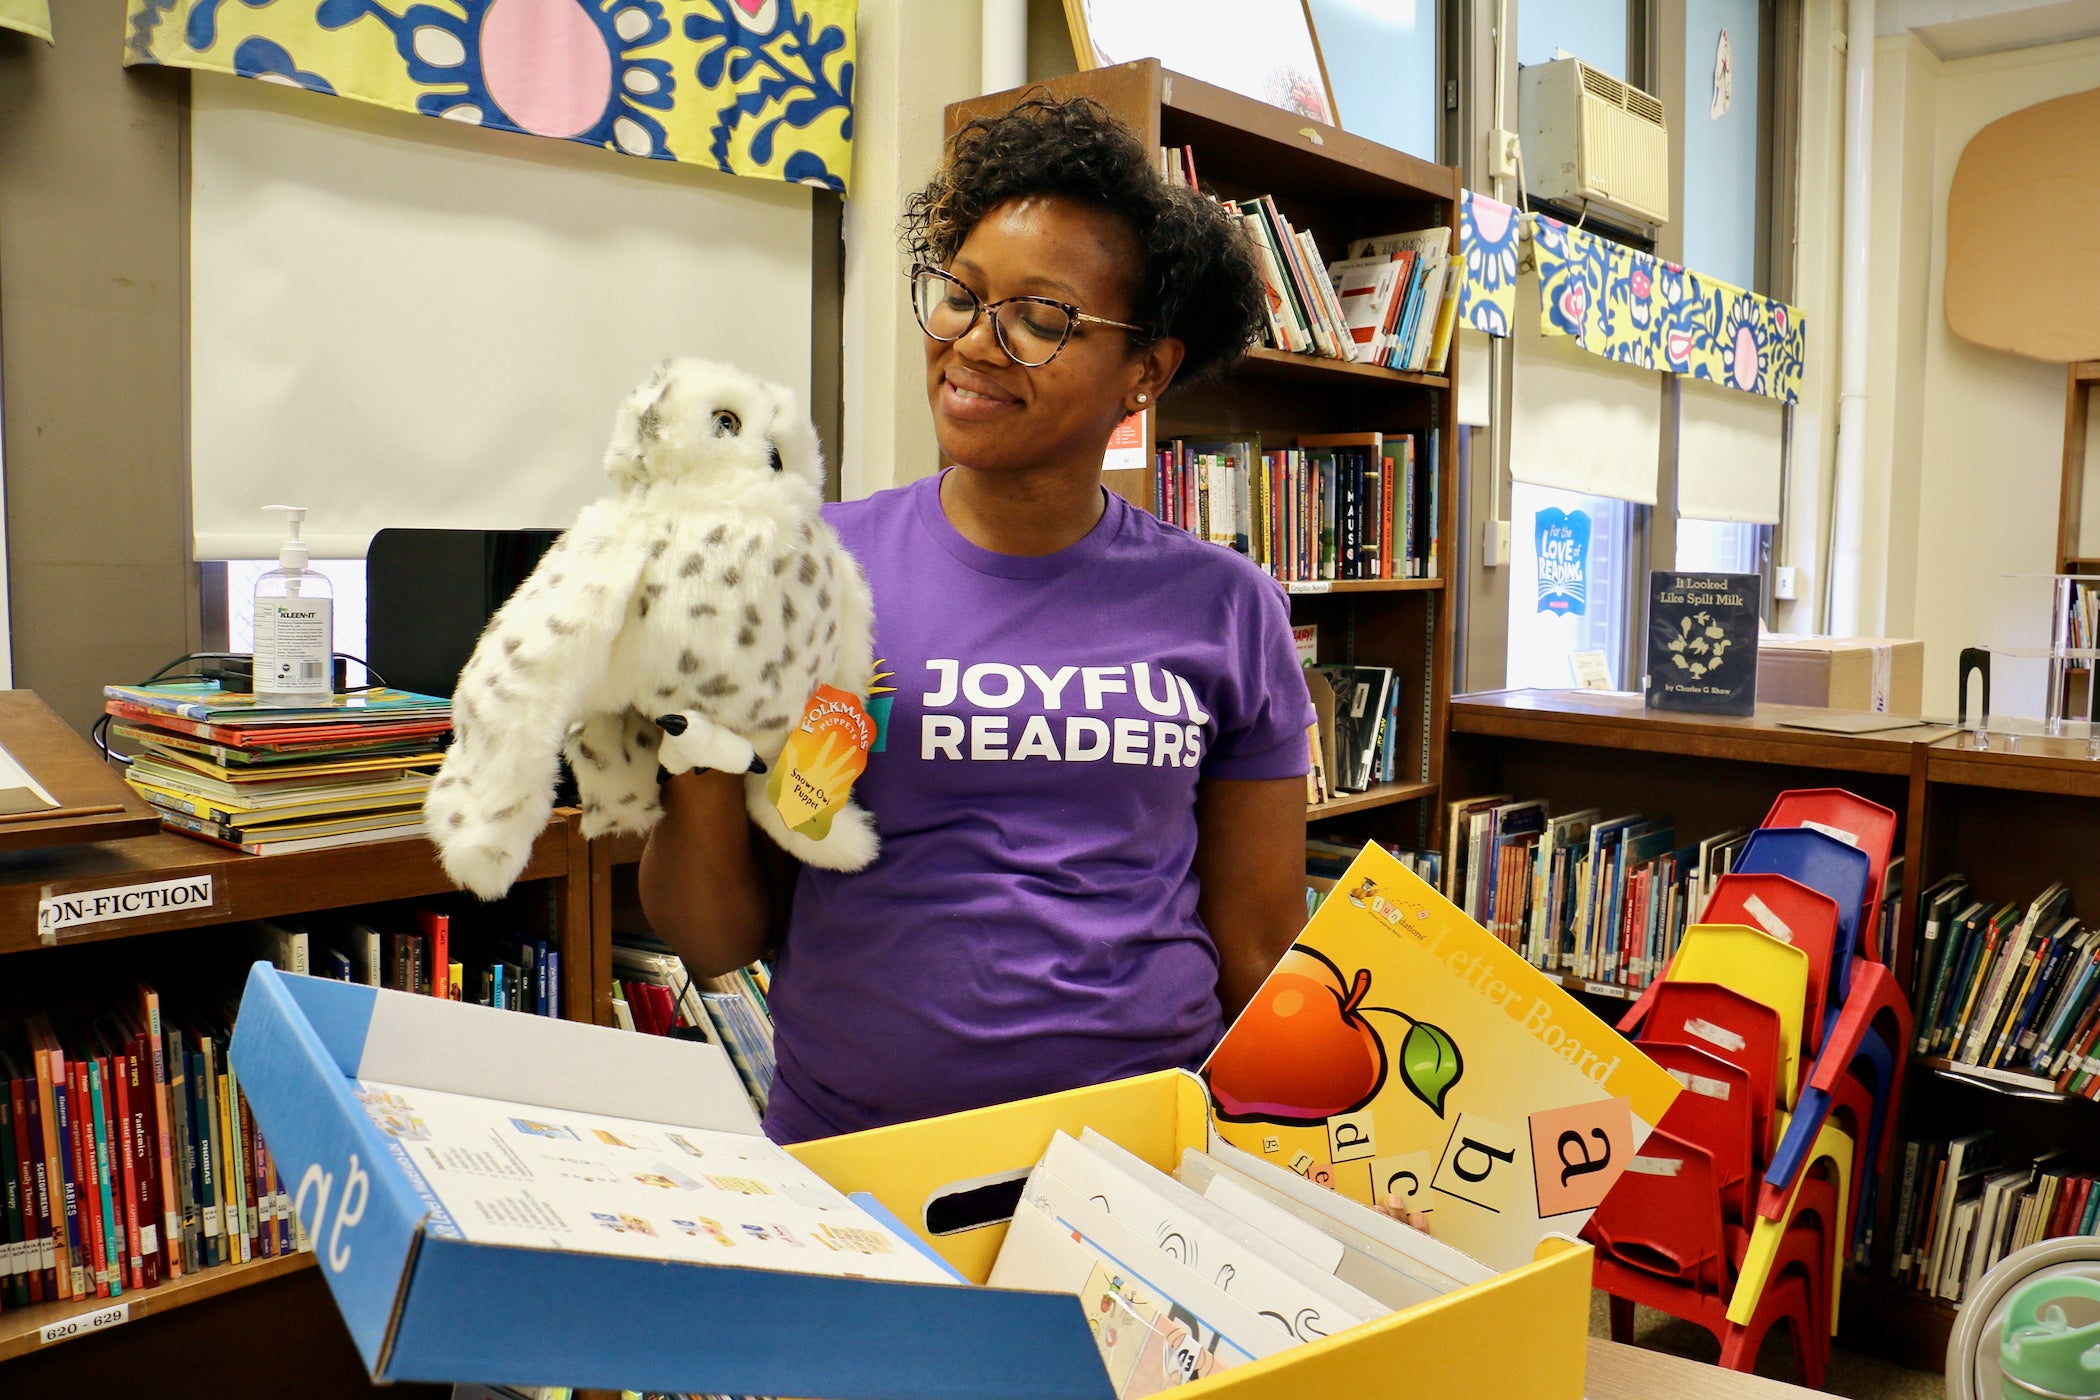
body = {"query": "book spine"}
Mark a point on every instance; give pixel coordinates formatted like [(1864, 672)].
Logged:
[(191, 1220), (108, 1187), (233, 1212), (1906, 1209), (164, 1140), (146, 1156), (124, 1178), (29, 1143), (15, 1246), (80, 1183), (201, 1102)]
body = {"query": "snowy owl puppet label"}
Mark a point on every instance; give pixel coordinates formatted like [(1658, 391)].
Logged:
[(1401, 1049)]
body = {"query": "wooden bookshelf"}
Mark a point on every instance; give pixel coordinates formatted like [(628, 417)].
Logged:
[(2013, 816), (224, 1308), (1341, 187), (22, 1329)]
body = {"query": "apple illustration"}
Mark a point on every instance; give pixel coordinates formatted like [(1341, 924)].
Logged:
[(1301, 1052)]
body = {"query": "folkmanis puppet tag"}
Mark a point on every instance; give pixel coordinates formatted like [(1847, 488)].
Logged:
[(827, 751)]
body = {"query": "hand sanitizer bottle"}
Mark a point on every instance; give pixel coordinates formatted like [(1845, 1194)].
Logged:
[(294, 627)]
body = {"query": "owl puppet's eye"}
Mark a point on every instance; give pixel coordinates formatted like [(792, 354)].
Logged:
[(727, 424)]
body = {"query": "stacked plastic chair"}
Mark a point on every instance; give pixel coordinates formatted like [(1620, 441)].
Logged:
[(1788, 1034)]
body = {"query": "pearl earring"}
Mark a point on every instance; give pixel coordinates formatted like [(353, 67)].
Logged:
[(1142, 397)]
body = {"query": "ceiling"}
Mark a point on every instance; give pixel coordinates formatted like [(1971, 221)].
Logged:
[(1964, 28)]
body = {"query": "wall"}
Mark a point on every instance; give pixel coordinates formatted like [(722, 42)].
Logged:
[(916, 57), (92, 294), (1972, 439)]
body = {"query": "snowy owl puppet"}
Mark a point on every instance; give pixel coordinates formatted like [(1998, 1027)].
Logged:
[(705, 592)]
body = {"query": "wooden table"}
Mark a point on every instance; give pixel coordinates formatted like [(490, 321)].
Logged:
[(1619, 1372)]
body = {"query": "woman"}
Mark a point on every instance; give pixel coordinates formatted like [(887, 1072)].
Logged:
[(1090, 788)]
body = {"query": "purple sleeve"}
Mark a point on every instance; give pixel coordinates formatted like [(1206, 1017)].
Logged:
[(1265, 713)]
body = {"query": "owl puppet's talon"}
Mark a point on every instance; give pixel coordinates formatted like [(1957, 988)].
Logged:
[(692, 740)]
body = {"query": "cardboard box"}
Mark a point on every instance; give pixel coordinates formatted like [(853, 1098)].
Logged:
[(423, 1304), (1882, 674)]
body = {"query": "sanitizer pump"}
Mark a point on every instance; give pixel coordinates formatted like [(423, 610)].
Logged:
[(294, 627)]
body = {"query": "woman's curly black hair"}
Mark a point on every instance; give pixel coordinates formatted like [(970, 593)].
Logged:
[(1198, 284)]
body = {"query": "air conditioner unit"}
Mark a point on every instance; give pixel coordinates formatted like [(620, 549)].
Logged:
[(1591, 139)]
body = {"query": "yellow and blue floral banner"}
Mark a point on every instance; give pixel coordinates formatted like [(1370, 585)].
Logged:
[(1630, 306), (749, 87), (1488, 231), (29, 16)]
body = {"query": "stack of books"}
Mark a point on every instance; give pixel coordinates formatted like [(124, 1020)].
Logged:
[(2001, 986), (427, 951), (128, 1155), (1958, 1212), (653, 993), (1345, 507), (220, 768)]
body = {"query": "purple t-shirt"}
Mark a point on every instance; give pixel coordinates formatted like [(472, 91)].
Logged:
[(1031, 923)]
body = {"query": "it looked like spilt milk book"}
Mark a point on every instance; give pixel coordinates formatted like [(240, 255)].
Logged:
[(1399, 1049), (1702, 642), (503, 1174)]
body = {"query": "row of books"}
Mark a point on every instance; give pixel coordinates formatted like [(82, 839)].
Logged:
[(2006, 986), (1958, 1212), (1345, 506), (1329, 861), (422, 950), (1393, 301), (128, 1155), (263, 780), (654, 994), (1579, 895), (1357, 741)]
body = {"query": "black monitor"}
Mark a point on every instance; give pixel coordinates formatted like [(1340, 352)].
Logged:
[(428, 594)]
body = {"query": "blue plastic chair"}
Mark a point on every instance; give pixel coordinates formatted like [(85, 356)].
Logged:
[(1822, 863)]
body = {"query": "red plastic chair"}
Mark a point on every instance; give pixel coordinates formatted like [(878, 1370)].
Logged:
[(1857, 822), (1728, 1025), (1659, 1241), (1793, 913), (1716, 1111)]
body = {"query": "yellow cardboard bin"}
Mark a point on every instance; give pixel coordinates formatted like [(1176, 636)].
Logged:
[(1521, 1333)]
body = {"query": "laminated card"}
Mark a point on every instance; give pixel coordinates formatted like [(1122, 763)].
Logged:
[(1399, 1049)]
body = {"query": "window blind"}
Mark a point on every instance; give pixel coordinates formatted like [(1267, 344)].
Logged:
[(396, 321), (1729, 454), (1579, 422)]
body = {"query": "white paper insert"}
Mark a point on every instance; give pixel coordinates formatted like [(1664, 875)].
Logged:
[(512, 1174)]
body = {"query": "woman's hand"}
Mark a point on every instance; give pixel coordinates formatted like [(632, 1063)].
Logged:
[(1393, 1210)]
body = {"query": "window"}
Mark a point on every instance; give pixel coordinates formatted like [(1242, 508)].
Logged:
[(1721, 546), (1592, 30), (345, 576), (1569, 589), (1723, 135), (1381, 60)]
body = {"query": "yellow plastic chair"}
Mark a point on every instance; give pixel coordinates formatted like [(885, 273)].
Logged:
[(1759, 966), (1834, 1145)]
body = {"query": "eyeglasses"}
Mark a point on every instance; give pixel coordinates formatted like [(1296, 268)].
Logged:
[(1031, 330)]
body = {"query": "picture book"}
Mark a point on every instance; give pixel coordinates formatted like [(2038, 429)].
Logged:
[(1400, 1050), (1702, 642)]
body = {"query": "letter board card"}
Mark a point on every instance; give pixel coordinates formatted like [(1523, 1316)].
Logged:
[(1399, 1048), (553, 1203)]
